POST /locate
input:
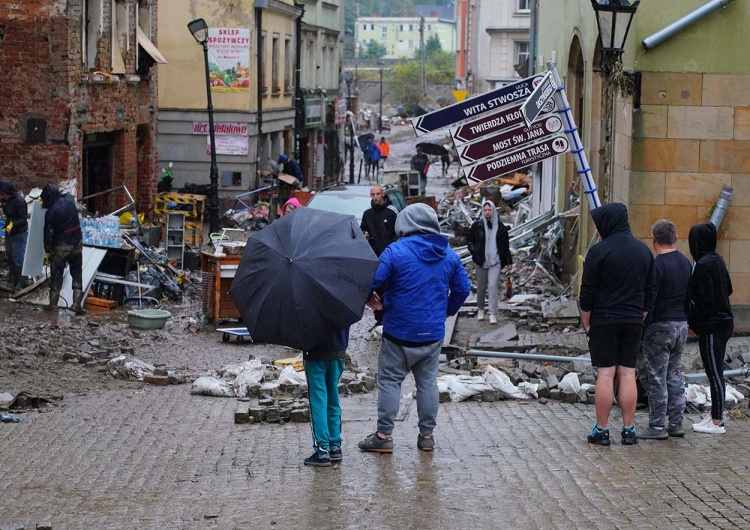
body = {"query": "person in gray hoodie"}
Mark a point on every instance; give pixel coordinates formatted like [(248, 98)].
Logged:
[(613, 306)]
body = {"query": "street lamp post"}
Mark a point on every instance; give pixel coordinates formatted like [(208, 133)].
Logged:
[(348, 78), (380, 116), (199, 29)]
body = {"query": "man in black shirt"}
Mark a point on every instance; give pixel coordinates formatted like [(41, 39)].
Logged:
[(421, 164), (660, 360)]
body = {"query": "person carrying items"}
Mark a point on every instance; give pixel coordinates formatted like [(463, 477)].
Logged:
[(421, 164), (291, 167), (324, 365), (490, 250), (612, 301), (710, 316), (665, 336), (424, 281), (385, 149), (379, 227), (16, 232), (63, 244)]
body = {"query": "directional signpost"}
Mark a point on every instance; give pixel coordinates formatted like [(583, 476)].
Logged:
[(541, 95), (470, 108), (518, 159), (492, 146)]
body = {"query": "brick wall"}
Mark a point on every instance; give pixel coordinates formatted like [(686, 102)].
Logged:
[(690, 138), (42, 64)]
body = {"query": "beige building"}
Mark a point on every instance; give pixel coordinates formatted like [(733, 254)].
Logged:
[(246, 140), (681, 132), (401, 35)]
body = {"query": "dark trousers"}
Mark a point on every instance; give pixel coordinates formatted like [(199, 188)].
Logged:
[(66, 255), (15, 248), (713, 346)]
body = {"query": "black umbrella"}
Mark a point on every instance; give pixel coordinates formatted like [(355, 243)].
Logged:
[(362, 139), (304, 278), (433, 149)]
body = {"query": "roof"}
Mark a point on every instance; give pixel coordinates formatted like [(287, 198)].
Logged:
[(441, 12)]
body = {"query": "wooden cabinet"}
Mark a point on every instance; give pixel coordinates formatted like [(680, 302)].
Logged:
[(220, 273)]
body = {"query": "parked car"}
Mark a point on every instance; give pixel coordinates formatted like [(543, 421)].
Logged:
[(352, 199)]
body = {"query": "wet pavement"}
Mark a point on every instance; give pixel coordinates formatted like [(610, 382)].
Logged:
[(157, 457)]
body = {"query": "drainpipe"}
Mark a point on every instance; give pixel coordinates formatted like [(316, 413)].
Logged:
[(660, 36), (526, 356), (700, 376), (721, 206)]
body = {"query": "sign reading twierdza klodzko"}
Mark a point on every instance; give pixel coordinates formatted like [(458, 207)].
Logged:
[(492, 146), (541, 95), (514, 160), (469, 108)]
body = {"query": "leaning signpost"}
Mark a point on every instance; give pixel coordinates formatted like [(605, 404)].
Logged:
[(512, 127)]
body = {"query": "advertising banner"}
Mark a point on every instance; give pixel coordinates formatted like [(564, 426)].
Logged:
[(229, 59)]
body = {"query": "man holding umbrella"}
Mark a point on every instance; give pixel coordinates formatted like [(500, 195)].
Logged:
[(421, 164), (424, 281)]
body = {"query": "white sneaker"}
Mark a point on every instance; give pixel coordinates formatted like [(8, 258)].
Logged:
[(493, 319), (480, 315), (709, 428)]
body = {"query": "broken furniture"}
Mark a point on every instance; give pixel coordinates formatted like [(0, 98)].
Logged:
[(218, 273), (175, 237), (192, 206)]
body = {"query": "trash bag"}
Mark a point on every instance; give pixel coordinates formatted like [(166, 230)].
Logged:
[(290, 376), (132, 292), (127, 367), (570, 382), (462, 387), (212, 386), (698, 394), (230, 371), (499, 380)]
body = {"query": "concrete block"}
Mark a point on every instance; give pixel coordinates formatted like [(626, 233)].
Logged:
[(266, 401), (343, 389), (158, 380), (370, 383), (273, 414), (555, 393), (258, 414), (583, 396), (242, 414), (444, 397), (543, 390), (285, 413), (517, 377), (568, 396), (530, 369), (300, 391), (552, 381), (491, 395), (300, 415), (44, 525)]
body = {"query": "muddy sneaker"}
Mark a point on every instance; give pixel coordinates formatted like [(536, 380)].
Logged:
[(709, 428), (336, 454), (480, 315), (628, 435), (376, 444), (425, 442), (318, 460), (653, 433), (675, 430), (598, 436)]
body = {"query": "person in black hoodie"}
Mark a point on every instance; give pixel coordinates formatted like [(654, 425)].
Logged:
[(63, 244), (613, 307), (16, 231), (710, 317), (489, 246), (379, 227)]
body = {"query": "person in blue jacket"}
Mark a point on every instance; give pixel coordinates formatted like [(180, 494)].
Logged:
[(16, 232), (291, 167), (425, 282), (324, 365)]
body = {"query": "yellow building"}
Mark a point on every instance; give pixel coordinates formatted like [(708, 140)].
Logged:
[(247, 141)]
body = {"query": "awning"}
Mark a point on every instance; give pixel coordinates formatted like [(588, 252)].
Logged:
[(147, 45)]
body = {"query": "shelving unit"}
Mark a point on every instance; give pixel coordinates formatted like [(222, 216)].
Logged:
[(193, 206), (409, 183), (175, 237)]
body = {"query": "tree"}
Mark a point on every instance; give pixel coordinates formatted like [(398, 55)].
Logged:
[(405, 86), (374, 50), (433, 46)]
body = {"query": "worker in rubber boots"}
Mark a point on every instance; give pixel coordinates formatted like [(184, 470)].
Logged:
[(63, 244)]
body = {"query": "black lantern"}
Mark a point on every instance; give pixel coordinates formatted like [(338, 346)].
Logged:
[(613, 18), (199, 29)]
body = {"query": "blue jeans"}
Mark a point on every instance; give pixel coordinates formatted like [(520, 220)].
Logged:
[(15, 248), (325, 410), (394, 364)]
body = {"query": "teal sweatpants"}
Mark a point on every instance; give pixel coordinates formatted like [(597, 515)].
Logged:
[(325, 410)]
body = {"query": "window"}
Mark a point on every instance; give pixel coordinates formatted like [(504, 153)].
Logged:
[(411, 44), (288, 62), (262, 58), (92, 31), (523, 5), (383, 33), (401, 27), (364, 27), (521, 50), (120, 36), (275, 85), (411, 27), (429, 27)]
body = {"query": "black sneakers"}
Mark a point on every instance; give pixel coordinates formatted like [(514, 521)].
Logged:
[(318, 460), (425, 443), (628, 435), (376, 444), (336, 454), (598, 436)]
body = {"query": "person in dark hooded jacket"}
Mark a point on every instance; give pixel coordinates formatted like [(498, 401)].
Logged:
[(63, 244), (710, 317), (613, 306), (16, 231)]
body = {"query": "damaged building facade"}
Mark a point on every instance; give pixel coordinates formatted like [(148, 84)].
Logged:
[(79, 97), (678, 120)]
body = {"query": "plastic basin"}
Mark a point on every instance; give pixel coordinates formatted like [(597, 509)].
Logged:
[(148, 318)]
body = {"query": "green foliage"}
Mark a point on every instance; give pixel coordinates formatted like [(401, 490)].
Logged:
[(374, 50), (441, 67), (433, 46), (404, 84)]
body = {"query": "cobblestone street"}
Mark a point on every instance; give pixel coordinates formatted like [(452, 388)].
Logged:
[(157, 457)]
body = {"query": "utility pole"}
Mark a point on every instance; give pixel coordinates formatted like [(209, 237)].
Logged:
[(423, 57)]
